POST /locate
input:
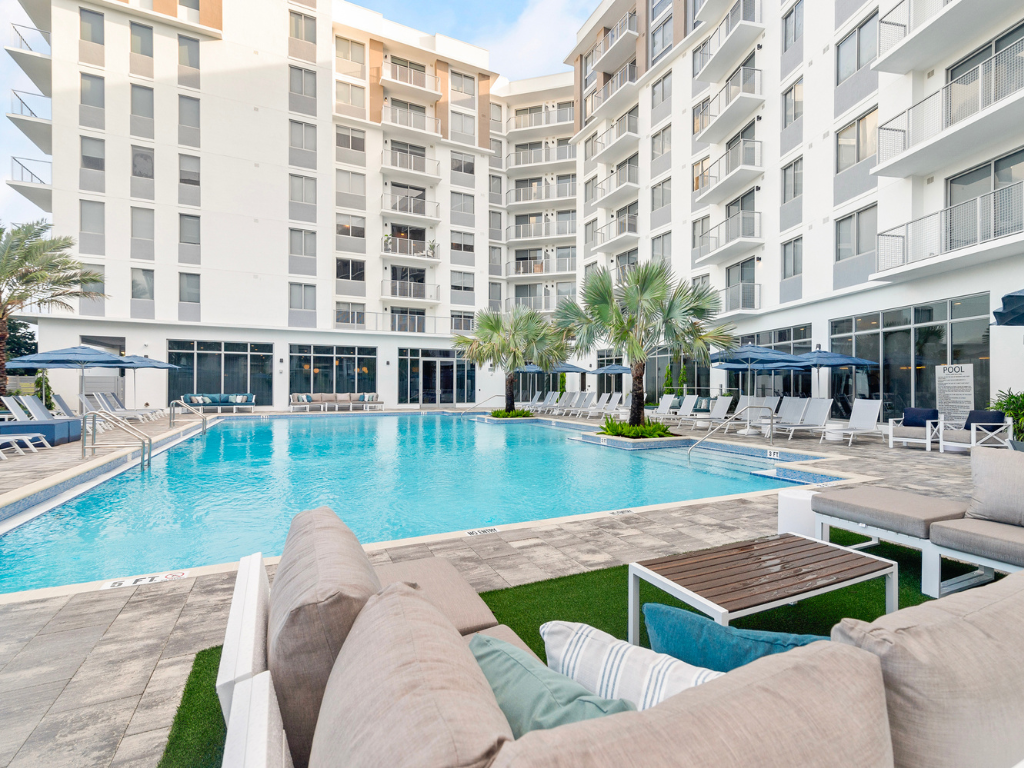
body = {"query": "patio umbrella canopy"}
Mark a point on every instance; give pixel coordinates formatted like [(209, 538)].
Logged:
[(749, 354), (529, 368), (614, 369), (135, 362), (71, 357), (1012, 311), (568, 368), (819, 358)]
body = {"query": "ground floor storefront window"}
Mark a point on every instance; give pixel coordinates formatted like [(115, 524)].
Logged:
[(322, 369), (795, 340), (529, 384), (697, 380), (220, 367), (435, 377)]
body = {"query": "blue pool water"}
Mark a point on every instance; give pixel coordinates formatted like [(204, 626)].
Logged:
[(216, 498)]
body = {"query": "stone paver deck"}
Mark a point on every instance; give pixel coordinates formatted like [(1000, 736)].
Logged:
[(94, 679)]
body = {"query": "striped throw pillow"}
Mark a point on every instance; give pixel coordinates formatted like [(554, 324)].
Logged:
[(615, 669)]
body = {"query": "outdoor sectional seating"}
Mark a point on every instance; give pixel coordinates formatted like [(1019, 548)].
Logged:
[(220, 402), (991, 429), (330, 401), (917, 425)]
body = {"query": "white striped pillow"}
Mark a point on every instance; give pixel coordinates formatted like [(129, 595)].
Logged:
[(616, 669)]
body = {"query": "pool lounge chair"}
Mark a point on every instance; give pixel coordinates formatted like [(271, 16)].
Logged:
[(814, 418), (57, 431), (560, 401), (580, 404), (547, 402), (664, 408), (591, 406), (684, 411), (25, 438), (753, 406), (863, 420), (565, 402), (112, 397), (64, 407), (610, 407), (622, 411), (989, 429), (791, 412), (129, 415), (718, 413), (526, 405)]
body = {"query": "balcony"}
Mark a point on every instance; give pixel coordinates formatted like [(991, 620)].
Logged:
[(972, 114), (30, 49), (618, 142), (561, 157), (920, 34), (718, 55), (730, 174), (617, 46), (414, 210), (401, 166), (983, 229), (34, 180), (617, 235), (710, 11), (541, 230), (410, 293), (535, 124), (520, 268), (405, 122), (613, 97), (540, 193), (402, 250), (539, 303), (731, 107), (618, 187), (385, 322), (744, 297), (410, 83), (738, 234), (30, 112)]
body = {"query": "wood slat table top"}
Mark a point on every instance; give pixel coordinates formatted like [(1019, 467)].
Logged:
[(744, 575)]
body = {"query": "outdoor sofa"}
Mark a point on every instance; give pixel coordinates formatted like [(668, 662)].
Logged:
[(988, 429), (221, 402), (346, 663), (330, 401)]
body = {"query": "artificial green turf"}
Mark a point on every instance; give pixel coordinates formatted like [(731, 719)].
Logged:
[(197, 735)]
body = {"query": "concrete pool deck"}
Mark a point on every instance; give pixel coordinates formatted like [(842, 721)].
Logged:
[(94, 678)]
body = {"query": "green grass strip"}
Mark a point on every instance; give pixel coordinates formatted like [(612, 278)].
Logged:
[(197, 735)]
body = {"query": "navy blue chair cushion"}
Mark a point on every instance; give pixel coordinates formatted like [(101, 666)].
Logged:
[(916, 417), (985, 417)]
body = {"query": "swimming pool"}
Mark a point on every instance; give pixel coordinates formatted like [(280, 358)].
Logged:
[(214, 498)]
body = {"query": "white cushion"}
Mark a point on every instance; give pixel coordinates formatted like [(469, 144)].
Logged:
[(256, 737), (245, 642), (615, 669)]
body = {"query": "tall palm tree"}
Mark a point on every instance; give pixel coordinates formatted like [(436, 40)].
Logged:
[(511, 341), (37, 271), (647, 310)]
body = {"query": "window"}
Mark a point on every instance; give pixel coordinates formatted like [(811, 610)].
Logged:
[(302, 82), (223, 367), (143, 224), (494, 222), (93, 154), (661, 39), (590, 147), (496, 148), (462, 203), (462, 321), (188, 111), (793, 26), (188, 52), (302, 27), (301, 242), (990, 177), (349, 313), (464, 163), (188, 288), (301, 189), (91, 26), (462, 281), (188, 229), (188, 170), (661, 142), (142, 162), (661, 194), (301, 296), (463, 124), (463, 241), (857, 49), (661, 90), (142, 284), (792, 258), (494, 185), (464, 84), (991, 48), (793, 103), (353, 95), (350, 138), (661, 248), (142, 101), (698, 115), (700, 228), (702, 281), (92, 91), (350, 182), (350, 226), (350, 269), (141, 39), (496, 113), (699, 169), (350, 50), (857, 141), (855, 234), (92, 218), (301, 135), (590, 231), (793, 180)]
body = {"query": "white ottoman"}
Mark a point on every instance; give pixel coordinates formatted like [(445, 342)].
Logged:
[(795, 513)]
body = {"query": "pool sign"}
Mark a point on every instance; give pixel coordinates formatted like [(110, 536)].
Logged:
[(954, 391), (138, 581)]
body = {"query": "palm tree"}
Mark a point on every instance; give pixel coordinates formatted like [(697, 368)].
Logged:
[(37, 271), (511, 341), (647, 310)]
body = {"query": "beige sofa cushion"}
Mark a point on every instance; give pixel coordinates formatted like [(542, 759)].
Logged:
[(998, 479), (911, 433), (406, 691), (898, 511), (819, 706), (442, 585), (322, 582), (344, 397), (984, 538), (954, 676)]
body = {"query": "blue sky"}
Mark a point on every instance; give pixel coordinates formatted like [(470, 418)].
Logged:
[(526, 38)]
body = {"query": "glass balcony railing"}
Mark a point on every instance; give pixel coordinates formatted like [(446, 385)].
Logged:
[(741, 296), (744, 152), (540, 229), (741, 225), (540, 192), (402, 289), (539, 119), (407, 162), (359, 320), (415, 206), (400, 73), (30, 39), (31, 105), (743, 10), (627, 125), (745, 80), (539, 303), (628, 174), (407, 118), (403, 246), (545, 266), (28, 171), (544, 155), (626, 24), (619, 80), (622, 225)]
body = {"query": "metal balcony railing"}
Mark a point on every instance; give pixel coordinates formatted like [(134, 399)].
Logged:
[(989, 217), (403, 74), (619, 80), (540, 192), (744, 80), (619, 226), (744, 224), (744, 152), (360, 320), (992, 80), (30, 39), (406, 162), (29, 171), (741, 296), (621, 272), (539, 303), (743, 10), (626, 24), (406, 118), (540, 229), (536, 119), (625, 125), (627, 174), (402, 289), (31, 105), (416, 206), (545, 266), (904, 20), (543, 155), (403, 246)]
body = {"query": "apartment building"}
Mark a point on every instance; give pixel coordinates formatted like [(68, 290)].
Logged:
[(293, 196)]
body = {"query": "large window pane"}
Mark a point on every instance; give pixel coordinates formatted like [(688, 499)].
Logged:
[(897, 364), (299, 374), (208, 372), (261, 378), (970, 346), (236, 379), (929, 351), (323, 374), (180, 379)]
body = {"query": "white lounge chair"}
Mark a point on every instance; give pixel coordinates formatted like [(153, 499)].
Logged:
[(684, 411), (64, 407), (771, 402), (560, 400), (594, 407), (548, 401), (582, 403), (527, 405), (814, 418), (122, 413), (749, 410), (610, 407), (664, 408), (719, 412), (113, 399), (622, 411), (26, 438), (566, 401), (863, 420), (791, 412)]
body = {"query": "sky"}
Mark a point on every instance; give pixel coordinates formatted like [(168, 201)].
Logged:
[(526, 38)]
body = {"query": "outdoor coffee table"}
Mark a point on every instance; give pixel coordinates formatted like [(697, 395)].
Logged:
[(753, 576)]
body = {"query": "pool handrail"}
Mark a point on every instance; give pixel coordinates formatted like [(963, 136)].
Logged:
[(145, 441), (731, 419), (187, 407)]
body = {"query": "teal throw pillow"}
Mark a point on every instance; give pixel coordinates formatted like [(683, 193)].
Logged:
[(698, 640), (532, 696)]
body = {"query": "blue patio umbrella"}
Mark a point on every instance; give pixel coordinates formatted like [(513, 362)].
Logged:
[(819, 358), (614, 369), (568, 368), (135, 362), (70, 357), (749, 354), (1012, 310), (529, 368)]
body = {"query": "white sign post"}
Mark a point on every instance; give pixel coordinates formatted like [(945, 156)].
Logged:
[(954, 391)]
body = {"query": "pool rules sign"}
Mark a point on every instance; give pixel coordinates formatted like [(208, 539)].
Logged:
[(954, 390)]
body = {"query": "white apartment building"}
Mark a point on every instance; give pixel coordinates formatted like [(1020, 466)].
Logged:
[(297, 196)]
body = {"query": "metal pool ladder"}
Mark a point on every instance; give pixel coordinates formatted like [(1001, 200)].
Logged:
[(145, 441), (732, 419), (188, 408)]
